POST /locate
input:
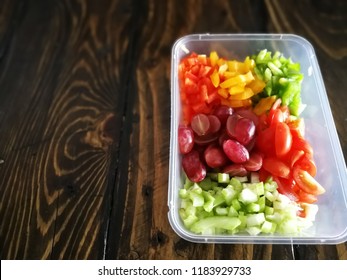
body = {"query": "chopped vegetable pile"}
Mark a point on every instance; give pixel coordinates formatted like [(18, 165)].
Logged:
[(242, 142)]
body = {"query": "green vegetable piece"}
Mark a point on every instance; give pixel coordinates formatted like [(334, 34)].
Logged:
[(206, 184), (188, 184), (232, 212), (253, 208), (236, 204), (248, 196), (183, 193), (274, 69), (209, 201), (190, 220), (236, 184), (229, 194), (268, 227), (255, 219), (222, 211), (196, 198), (223, 178), (253, 230), (221, 222)]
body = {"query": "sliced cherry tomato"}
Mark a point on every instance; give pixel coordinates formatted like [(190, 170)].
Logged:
[(297, 127), (276, 167), (307, 197), (274, 117), (293, 156), (263, 175), (306, 163), (283, 139), (300, 143), (306, 182), (285, 186), (265, 141)]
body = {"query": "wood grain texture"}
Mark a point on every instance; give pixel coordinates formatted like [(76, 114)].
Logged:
[(85, 121)]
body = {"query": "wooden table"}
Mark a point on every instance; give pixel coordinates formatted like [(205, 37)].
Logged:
[(85, 121)]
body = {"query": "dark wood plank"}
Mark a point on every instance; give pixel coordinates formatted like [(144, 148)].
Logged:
[(62, 103)]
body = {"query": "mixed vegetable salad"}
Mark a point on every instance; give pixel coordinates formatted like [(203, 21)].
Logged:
[(242, 143)]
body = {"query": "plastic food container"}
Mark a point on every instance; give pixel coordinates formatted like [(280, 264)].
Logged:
[(330, 226)]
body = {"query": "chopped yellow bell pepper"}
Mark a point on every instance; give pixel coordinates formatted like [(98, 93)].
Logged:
[(215, 78), (264, 105), (214, 58), (246, 94)]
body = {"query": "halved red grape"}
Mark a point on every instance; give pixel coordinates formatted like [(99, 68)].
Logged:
[(254, 163), (235, 151), (249, 114), (200, 124), (205, 139), (193, 167), (185, 139), (215, 124), (241, 129), (223, 112), (223, 137), (214, 156), (235, 169)]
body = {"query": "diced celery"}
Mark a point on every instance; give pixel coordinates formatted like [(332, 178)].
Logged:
[(222, 211), (288, 226), (236, 204), (261, 202), (268, 227), (196, 198), (209, 201), (223, 222), (219, 199), (270, 186), (188, 184), (269, 210), (253, 230), (229, 194), (223, 178), (183, 193), (253, 208), (236, 184), (248, 196), (255, 219), (206, 184), (196, 188), (213, 176), (190, 220), (232, 212), (241, 179)]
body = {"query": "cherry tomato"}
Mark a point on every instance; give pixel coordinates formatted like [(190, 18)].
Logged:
[(276, 167), (274, 117), (285, 186), (265, 141), (283, 139), (300, 143), (306, 163), (307, 197), (297, 127), (306, 182)]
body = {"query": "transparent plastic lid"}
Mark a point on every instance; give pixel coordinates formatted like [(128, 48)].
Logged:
[(330, 226)]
